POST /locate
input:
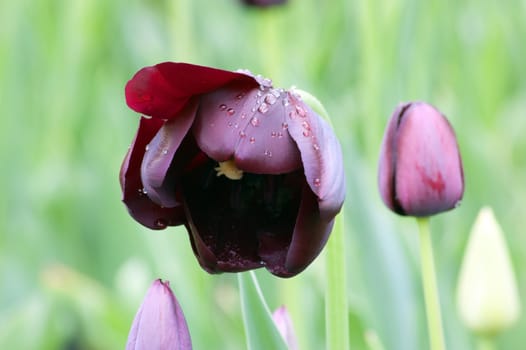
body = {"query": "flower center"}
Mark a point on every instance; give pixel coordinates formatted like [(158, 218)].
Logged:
[(229, 169)]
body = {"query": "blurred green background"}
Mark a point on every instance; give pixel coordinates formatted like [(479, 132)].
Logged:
[(74, 266)]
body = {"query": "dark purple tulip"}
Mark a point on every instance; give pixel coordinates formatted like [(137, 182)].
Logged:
[(159, 324), (263, 3), (420, 170), (252, 172)]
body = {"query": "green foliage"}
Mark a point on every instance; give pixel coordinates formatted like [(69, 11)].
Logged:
[(74, 266)]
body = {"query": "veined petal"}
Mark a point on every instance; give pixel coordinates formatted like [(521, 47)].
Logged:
[(161, 91), (321, 155), (139, 205)]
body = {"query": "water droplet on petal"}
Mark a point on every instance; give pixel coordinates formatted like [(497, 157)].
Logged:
[(284, 125), (280, 135), (305, 125), (277, 93), (268, 153), (273, 134), (317, 182), (306, 133), (147, 148), (263, 108), (240, 95), (270, 98), (141, 193), (292, 115), (144, 191), (222, 106), (316, 147), (236, 125), (165, 151), (252, 139), (230, 124), (254, 121), (243, 115), (242, 134), (230, 111), (161, 223), (285, 102), (301, 112)]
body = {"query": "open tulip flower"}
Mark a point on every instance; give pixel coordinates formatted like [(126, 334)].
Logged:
[(254, 174)]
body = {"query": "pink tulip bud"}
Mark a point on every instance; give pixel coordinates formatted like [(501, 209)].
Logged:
[(283, 322), (159, 324), (420, 169)]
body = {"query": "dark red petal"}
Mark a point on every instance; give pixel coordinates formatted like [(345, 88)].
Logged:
[(140, 207), (321, 155), (161, 91), (310, 234), (159, 184), (204, 255), (249, 126), (387, 160)]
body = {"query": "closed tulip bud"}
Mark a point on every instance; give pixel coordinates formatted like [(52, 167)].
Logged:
[(159, 324), (420, 169), (263, 3), (285, 327), (487, 296)]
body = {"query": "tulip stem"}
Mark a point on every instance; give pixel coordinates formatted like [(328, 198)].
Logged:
[(336, 310), (486, 343), (434, 319)]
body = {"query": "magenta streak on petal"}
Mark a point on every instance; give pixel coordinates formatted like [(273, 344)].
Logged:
[(436, 183)]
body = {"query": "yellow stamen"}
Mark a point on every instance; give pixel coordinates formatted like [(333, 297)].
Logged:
[(229, 169)]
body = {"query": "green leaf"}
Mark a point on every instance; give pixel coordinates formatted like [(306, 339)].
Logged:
[(261, 333)]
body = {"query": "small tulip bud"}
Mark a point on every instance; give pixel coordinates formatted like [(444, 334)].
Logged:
[(487, 296), (159, 324), (420, 170), (283, 322)]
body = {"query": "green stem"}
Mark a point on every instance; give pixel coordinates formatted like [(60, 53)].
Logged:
[(486, 343), (434, 319), (336, 318), (269, 45)]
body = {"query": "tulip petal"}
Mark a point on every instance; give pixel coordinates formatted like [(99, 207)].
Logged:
[(321, 155), (248, 125), (162, 91), (310, 234), (139, 205), (161, 163), (387, 161), (159, 323)]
